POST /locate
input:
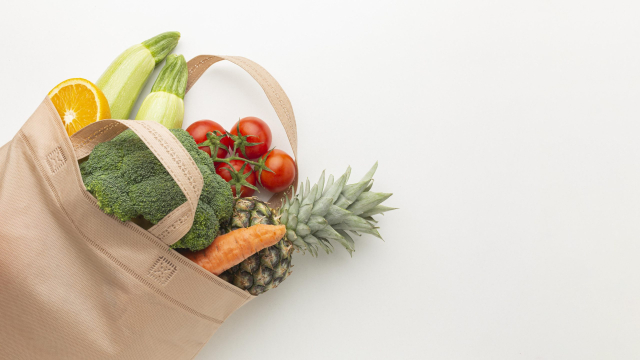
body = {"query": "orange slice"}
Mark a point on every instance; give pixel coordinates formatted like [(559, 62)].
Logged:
[(79, 102)]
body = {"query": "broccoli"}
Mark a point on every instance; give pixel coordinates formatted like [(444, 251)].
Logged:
[(131, 184)]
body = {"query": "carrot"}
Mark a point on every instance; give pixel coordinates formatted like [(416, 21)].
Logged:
[(233, 247)]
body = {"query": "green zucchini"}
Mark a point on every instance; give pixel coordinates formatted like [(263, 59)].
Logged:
[(123, 80), (165, 103)]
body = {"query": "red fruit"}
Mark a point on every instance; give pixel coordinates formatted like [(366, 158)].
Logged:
[(247, 175), (255, 131), (208, 150), (284, 171), (199, 129)]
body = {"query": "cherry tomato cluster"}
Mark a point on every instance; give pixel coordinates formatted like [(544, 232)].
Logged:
[(242, 156)]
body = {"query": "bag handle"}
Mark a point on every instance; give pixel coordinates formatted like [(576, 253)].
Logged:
[(171, 154), (276, 95)]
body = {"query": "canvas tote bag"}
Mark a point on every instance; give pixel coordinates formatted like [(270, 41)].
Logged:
[(76, 283)]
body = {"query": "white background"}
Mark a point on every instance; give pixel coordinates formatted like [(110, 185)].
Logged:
[(507, 131)]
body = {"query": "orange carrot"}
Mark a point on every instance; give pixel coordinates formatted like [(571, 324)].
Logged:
[(233, 247)]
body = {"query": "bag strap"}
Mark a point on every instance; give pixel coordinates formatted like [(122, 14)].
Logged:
[(171, 154), (276, 95)]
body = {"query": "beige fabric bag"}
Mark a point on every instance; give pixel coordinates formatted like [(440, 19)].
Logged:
[(76, 283)]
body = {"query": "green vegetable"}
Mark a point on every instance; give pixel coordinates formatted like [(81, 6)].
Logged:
[(165, 103), (123, 80), (130, 183)]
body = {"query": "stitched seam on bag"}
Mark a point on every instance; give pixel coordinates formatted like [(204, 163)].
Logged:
[(286, 112), (56, 159), (162, 270), (159, 139), (173, 227), (291, 123), (95, 135), (147, 283), (200, 63), (179, 258), (104, 251), (165, 144)]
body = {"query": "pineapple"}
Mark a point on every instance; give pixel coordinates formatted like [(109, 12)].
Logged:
[(267, 268), (313, 217)]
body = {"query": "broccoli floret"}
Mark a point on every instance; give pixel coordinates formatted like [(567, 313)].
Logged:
[(129, 182)]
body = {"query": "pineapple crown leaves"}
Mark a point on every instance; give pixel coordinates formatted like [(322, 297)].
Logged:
[(238, 178), (332, 210)]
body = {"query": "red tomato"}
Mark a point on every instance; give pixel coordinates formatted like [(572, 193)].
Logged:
[(199, 129), (225, 173), (258, 132), (284, 171)]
